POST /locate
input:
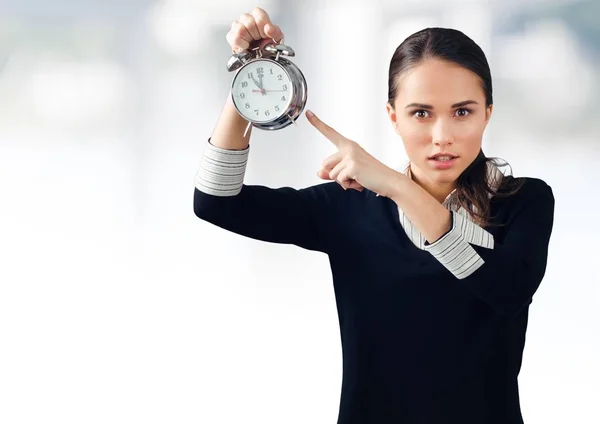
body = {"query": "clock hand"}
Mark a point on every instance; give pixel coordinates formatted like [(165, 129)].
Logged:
[(260, 77), (255, 82)]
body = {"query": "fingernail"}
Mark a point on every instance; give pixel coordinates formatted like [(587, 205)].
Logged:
[(309, 114)]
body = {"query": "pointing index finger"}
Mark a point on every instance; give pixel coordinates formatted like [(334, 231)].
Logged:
[(331, 134)]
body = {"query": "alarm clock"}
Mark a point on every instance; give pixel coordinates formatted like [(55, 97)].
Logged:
[(268, 90)]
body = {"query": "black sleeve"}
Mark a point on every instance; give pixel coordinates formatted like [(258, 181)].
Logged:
[(513, 269), (279, 215)]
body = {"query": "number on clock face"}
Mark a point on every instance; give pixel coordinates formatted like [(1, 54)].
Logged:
[(262, 91)]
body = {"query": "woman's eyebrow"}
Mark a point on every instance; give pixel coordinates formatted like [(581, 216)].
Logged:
[(459, 104)]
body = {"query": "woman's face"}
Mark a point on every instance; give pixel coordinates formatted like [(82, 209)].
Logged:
[(440, 108)]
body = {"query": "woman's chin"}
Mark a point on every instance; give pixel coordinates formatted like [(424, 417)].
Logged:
[(444, 177), (441, 176)]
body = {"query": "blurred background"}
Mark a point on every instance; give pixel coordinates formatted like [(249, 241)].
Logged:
[(118, 305)]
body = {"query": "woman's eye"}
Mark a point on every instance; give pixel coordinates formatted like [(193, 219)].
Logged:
[(465, 112), (420, 113)]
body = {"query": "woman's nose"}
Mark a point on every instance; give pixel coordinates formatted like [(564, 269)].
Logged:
[(442, 133)]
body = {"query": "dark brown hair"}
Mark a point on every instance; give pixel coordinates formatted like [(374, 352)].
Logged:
[(473, 186)]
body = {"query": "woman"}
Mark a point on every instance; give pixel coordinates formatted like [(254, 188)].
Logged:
[(433, 268)]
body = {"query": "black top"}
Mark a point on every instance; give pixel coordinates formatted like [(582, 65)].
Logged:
[(419, 345)]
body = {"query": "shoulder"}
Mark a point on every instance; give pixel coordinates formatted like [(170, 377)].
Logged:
[(525, 187), (517, 193)]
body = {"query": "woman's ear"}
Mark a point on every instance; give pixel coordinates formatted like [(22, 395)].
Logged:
[(393, 117), (488, 113)]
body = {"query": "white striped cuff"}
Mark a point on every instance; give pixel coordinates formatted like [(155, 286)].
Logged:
[(454, 251), (472, 232), (222, 171)]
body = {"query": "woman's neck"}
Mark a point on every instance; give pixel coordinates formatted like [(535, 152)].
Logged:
[(439, 191)]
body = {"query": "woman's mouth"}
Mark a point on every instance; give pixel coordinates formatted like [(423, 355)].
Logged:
[(443, 162)]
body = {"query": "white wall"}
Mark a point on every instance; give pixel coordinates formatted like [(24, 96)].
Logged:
[(118, 305)]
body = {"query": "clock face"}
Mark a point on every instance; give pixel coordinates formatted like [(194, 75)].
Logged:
[(262, 90)]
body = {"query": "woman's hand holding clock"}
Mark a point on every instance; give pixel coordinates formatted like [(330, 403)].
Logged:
[(252, 30)]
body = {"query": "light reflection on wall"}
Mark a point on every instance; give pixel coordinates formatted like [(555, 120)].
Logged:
[(549, 69), (77, 93)]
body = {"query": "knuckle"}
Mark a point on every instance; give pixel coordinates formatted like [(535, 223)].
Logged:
[(230, 39), (237, 28), (259, 12), (261, 18), (246, 19)]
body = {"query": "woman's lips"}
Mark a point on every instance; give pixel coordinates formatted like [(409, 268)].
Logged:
[(438, 164)]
